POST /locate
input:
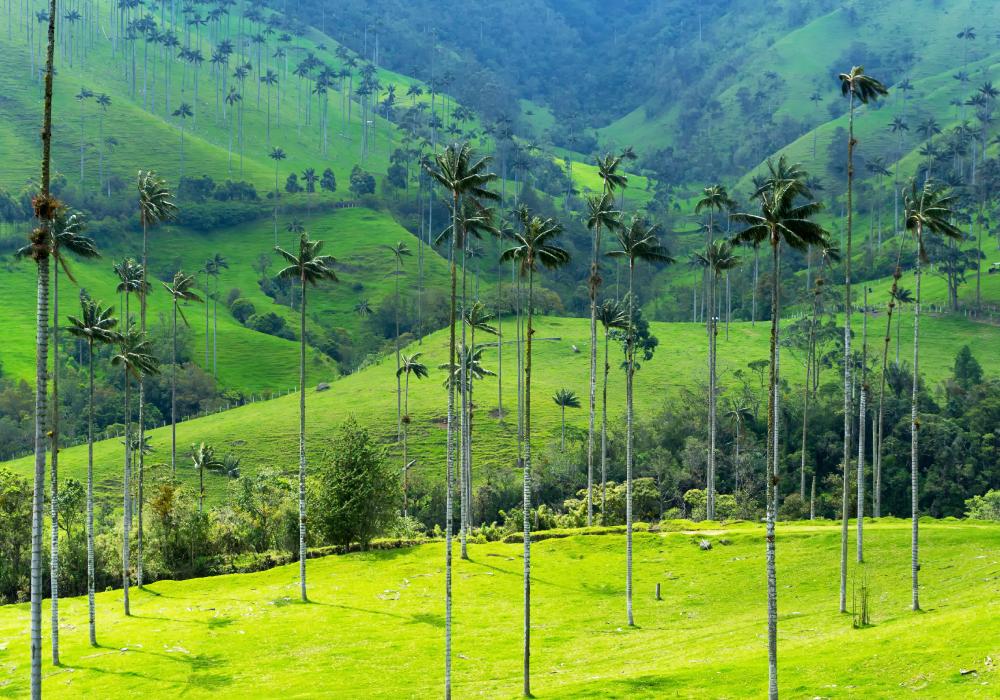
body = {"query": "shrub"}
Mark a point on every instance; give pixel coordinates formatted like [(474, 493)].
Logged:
[(242, 310), (357, 493), (270, 323), (986, 507)]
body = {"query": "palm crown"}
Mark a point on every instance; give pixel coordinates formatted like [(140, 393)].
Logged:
[(410, 364), (781, 215), (535, 243), (182, 289), (639, 241), (135, 353), (308, 266), (95, 324), (864, 87), (929, 209), (458, 170), (718, 257), (155, 201)]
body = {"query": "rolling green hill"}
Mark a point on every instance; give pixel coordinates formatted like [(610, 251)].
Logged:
[(374, 625), (369, 395), (248, 360)]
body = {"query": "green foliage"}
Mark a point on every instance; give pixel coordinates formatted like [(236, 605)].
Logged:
[(242, 309), (985, 507), (362, 183), (697, 504), (968, 371), (357, 491)]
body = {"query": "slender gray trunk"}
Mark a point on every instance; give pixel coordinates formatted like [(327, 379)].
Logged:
[(914, 442), (604, 428), (527, 487), (302, 442), (629, 372), (848, 386), (450, 452), (772, 483), (90, 500), (54, 473)]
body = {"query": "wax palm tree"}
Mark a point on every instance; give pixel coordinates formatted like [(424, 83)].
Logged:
[(45, 206), (182, 112), (717, 259), (135, 357), (536, 244), (477, 318), (203, 457), (103, 103), (363, 308), (67, 237), (156, 206), (234, 100), (738, 413), (638, 240), (95, 326), (270, 79), (897, 297), (411, 365), (929, 209), (612, 315), (858, 88), (601, 214), (715, 199), (219, 264), (130, 276), (181, 289), (398, 252), (564, 398), (782, 218), (310, 267), (829, 255), (458, 170), (277, 155)]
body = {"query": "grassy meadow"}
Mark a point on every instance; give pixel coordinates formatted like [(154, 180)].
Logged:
[(375, 624)]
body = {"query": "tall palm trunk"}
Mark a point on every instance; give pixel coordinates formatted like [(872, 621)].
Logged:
[(914, 438), (862, 432), (463, 419), (127, 499), (594, 283), (90, 498), (450, 449), (142, 405), (173, 399), (302, 441), (41, 242), (604, 427), (399, 414), (629, 374), (406, 423), (772, 477), (38, 497), (848, 387), (712, 332), (527, 484), (54, 472), (877, 466)]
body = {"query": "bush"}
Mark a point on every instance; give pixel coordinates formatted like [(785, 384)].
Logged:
[(242, 310), (270, 323), (697, 500), (986, 507), (357, 493)]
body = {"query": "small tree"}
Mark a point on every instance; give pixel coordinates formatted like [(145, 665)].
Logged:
[(328, 183), (357, 492), (564, 398)]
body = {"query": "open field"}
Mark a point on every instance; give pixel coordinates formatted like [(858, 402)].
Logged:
[(374, 626)]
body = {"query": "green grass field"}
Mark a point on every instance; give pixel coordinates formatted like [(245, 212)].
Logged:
[(266, 434), (374, 626)]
